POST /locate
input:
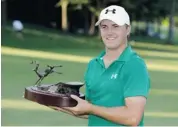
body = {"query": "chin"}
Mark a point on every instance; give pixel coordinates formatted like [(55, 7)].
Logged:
[(112, 46)]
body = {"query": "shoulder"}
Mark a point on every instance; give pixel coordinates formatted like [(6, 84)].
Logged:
[(135, 64), (90, 65), (136, 60), (92, 61)]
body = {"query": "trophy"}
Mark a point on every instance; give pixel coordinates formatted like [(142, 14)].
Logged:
[(53, 94)]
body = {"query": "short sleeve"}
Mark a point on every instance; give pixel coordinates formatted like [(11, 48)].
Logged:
[(137, 81)]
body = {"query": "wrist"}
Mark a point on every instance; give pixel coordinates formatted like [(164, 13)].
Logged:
[(91, 108)]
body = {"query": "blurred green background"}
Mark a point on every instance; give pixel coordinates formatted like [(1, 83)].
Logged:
[(62, 32), (73, 52)]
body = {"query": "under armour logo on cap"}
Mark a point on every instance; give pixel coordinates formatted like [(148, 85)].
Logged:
[(113, 11)]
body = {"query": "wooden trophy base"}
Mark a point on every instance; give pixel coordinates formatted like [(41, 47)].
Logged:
[(54, 95)]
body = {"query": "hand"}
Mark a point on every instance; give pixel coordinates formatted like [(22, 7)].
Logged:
[(55, 108), (61, 109), (83, 106)]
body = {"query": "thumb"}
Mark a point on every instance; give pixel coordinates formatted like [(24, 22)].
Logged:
[(75, 97)]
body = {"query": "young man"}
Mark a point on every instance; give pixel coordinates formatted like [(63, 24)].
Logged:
[(117, 81)]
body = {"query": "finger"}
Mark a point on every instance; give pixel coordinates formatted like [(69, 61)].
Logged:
[(71, 110), (75, 98), (55, 108), (67, 108)]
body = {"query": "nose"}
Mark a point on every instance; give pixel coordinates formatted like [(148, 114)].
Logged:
[(110, 31)]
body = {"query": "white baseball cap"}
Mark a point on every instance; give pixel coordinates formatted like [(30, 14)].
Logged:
[(114, 13)]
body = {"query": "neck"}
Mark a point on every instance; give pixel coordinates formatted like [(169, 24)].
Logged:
[(113, 54)]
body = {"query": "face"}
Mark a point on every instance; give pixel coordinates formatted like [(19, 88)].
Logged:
[(112, 34)]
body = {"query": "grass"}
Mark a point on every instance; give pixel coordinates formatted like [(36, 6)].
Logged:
[(33, 39), (17, 74), (161, 108)]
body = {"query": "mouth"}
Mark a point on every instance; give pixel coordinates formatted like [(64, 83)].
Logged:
[(110, 38)]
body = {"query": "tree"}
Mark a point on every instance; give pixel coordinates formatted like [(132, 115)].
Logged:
[(64, 6), (4, 12), (170, 7), (171, 22)]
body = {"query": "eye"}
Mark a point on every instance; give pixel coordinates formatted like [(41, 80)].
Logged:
[(115, 26), (103, 26)]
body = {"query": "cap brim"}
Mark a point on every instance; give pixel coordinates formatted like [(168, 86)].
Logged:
[(97, 23), (118, 23)]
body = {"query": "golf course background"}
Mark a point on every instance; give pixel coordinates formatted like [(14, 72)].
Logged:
[(73, 52)]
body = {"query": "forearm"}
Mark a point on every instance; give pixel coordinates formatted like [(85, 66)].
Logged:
[(121, 115)]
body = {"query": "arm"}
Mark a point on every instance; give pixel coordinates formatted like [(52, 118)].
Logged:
[(136, 89), (135, 92), (130, 114)]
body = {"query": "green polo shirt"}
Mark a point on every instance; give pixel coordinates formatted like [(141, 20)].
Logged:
[(125, 77)]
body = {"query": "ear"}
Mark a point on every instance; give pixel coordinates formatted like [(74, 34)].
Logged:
[(128, 30)]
